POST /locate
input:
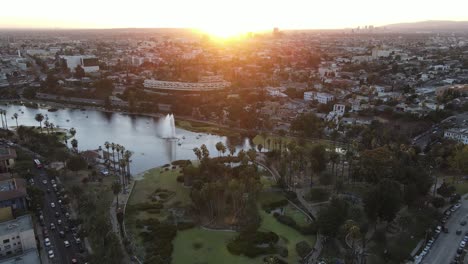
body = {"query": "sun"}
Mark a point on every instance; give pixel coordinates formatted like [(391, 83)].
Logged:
[(223, 32)]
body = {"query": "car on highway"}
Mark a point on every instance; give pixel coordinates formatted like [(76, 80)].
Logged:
[(52, 181), (74, 261), (62, 234), (77, 240), (57, 214), (51, 254), (52, 205), (44, 181), (47, 242), (66, 243), (52, 226), (59, 222)]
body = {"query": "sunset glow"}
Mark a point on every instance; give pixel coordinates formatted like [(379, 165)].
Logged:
[(225, 18)]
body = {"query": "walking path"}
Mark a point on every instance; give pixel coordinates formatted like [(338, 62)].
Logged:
[(123, 199), (312, 257)]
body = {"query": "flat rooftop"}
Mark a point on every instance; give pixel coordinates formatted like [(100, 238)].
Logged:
[(28, 257), (19, 224)]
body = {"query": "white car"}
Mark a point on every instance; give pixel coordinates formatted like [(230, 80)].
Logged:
[(51, 254), (44, 181), (52, 205), (52, 226), (462, 244), (59, 222), (67, 244), (47, 242), (52, 181)]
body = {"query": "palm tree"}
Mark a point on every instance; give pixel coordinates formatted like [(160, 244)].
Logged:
[(15, 116), (128, 155), (74, 144), (113, 156), (39, 117), (107, 146), (47, 124), (4, 116), (72, 131), (116, 190)]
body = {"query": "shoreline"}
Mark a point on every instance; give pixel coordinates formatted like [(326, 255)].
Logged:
[(62, 106)]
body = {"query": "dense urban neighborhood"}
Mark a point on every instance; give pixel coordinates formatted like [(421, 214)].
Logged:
[(287, 146)]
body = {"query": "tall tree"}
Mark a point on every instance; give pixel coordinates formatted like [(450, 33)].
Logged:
[(39, 117)]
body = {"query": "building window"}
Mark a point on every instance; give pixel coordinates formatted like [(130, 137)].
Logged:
[(7, 246), (6, 241)]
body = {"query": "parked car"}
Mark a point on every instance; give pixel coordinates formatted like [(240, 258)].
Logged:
[(47, 242), (52, 226), (51, 254), (462, 244), (67, 244), (52, 205)]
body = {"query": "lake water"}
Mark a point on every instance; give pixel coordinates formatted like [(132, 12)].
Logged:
[(136, 133)]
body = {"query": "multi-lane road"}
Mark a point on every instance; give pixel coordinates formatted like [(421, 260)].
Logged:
[(62, 254), (446, 245)]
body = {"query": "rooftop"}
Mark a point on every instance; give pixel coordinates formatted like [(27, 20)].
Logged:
[(21, 223), (28, 257)]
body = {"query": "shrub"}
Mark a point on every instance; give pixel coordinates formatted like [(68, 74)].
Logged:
[(197, 245), (318, 195), (180, 178), (273, 205), (181, 163), (283, 252), (303, 248), (284, 219)]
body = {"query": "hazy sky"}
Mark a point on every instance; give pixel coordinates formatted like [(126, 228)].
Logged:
[(228, 15)]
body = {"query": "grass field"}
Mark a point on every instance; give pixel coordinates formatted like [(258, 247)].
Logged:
[(297, 215), (461, 186), (212, 251), (212, 244), (159, 178)]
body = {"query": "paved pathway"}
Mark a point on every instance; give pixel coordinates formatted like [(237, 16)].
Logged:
[(312, 257)]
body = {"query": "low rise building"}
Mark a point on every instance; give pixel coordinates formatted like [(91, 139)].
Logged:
[(460, 135), (7, 158), (12, 192), (17, 241)]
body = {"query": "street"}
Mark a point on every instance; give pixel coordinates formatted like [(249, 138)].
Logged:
[(62, 253), (445, 246)]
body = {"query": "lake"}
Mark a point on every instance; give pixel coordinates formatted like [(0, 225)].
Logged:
[(136, 133)]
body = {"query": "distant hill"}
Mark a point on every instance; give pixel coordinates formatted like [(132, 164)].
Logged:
[(431, 25)]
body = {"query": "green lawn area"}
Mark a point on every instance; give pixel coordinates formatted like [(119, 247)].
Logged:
[(461, 186), (297, 215), (158, 178), (213, 250)]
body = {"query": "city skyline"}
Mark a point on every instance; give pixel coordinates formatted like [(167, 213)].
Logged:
[(225, 18)]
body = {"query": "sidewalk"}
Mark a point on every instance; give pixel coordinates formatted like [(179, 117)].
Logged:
[(123, 199), (42, 250)]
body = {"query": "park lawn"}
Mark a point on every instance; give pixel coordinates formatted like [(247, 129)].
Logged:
[(297, 215), (461, 186), (213, 250), (159, 178), (289, 237)]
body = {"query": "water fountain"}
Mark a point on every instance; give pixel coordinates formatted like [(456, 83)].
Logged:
[(166, 127), (167, 130)]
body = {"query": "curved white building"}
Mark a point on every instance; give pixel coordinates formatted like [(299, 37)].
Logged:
[(206, 84)]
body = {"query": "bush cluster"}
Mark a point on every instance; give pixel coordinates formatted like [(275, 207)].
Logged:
[(253, 244), (268, 207)]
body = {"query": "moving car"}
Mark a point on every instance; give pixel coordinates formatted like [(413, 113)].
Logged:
[(47, 242), (52, 205), (52, 226), (67, 244), (51, 254)]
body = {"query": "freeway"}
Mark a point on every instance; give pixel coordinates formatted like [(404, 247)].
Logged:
[(62, 254), (445, 247)]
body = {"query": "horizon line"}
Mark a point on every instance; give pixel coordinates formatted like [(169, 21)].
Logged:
[(195, 28)]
